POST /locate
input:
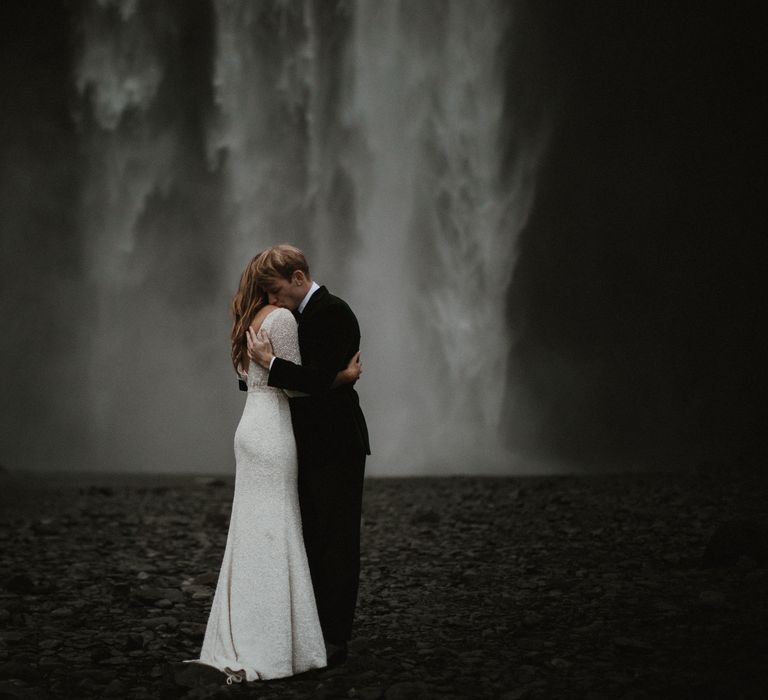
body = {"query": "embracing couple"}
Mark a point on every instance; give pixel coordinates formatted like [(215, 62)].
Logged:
[(287, 588)]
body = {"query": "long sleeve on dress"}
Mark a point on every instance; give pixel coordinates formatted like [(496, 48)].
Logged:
[(284, 335)]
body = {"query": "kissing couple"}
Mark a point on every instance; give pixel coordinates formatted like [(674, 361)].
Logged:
[(287, 589)]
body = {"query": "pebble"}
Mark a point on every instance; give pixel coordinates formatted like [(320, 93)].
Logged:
[(405, 690), (711, 599), (628, 643), (19, 583), (115, 688), (50, 644), (155, 622), (517, 694), (17, 669)]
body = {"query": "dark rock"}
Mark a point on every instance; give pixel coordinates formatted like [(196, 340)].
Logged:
[(46, 526), (370, 693), (155, 622), (406, 690), (426, 517), (18, 669), (209, 578), (711, 599), (14, 690), (100, 652), (194, 630), (121, 588), (629, 643), (97, 675), (20, 583), (216, 519), (48, 663), (115, 688), (134, 642), (735, 539), (199, 592), (517, 694), (151, 594), (50, 644), (193, 675)]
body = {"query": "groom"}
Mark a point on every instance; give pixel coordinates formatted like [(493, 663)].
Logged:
[(331, 435)]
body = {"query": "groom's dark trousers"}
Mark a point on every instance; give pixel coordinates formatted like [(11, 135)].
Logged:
[(332, 444)]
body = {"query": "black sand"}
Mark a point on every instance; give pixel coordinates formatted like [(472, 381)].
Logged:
[(558, 587)]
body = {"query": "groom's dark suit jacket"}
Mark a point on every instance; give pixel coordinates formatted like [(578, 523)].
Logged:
[(328, 421), (332, 444)]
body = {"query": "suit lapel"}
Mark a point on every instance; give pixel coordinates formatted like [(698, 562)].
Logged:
[(315, 302)]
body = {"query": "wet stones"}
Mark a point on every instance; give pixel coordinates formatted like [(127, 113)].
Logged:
[(470, 588)]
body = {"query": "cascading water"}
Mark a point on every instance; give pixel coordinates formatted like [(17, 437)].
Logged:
[(437, 224), (155, 385), (370, 134), (129, 159)]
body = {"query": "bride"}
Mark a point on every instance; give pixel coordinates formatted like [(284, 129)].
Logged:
[(263, 622)]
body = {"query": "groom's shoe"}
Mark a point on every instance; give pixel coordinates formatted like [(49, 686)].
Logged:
[(337, 654)]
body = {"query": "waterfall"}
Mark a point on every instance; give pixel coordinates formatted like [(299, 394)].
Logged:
[(437, 224), (371, 134)]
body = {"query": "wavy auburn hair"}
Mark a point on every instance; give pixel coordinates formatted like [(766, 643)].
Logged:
[(250, 297)]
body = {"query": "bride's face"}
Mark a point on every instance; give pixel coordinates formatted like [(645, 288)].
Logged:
[(287, 294)]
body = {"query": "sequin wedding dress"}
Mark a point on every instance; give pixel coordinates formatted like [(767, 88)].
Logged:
[(263, 622)]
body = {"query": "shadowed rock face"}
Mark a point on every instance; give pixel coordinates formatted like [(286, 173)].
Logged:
[(635, 291)]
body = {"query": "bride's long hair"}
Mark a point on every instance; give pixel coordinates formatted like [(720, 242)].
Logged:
[(250, 297)]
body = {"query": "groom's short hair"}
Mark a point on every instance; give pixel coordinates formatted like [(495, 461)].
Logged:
[(280, 261)]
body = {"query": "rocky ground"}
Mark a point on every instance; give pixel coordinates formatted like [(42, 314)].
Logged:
[(557, 587)]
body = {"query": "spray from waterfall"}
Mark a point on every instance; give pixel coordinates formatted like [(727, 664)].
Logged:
[(371, 135)]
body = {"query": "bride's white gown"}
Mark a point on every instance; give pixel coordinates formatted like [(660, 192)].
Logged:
[(263, 622)]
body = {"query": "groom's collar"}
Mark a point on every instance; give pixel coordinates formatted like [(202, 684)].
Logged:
[(312, 289)]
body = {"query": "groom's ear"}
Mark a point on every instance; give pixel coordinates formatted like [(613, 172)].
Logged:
[(299, 278)]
